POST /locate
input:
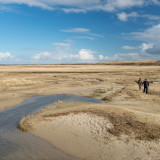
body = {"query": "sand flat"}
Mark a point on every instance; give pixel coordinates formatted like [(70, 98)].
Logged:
[(109, 83), (74, 134), (134, 115), (89, 131)]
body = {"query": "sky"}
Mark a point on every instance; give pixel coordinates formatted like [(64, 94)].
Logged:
[(78, 31)]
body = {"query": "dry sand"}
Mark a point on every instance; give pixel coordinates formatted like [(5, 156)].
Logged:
[(85, 136), (125, 126), (96, 131)]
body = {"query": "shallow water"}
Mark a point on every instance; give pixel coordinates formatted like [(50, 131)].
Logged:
[(16, 145)]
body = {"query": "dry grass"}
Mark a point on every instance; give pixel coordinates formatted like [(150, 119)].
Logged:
[(124, 122), (111, 84), (98, 92), (111, 96), (15, 82), (154, 89)]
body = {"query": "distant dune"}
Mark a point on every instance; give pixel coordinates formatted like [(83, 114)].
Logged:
[(146, 63), (136, 62)]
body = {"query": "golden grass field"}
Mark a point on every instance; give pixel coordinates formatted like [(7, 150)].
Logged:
[(131, 113), (108, 83)]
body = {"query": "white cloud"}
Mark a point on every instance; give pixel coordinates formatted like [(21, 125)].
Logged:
[(150, 17), (145, 47), (84, 31), (84, 55), (123, 57), (76, 30), (62, 44), (74, 10), (150, 38), (62, 53), (124, 4), (6, 56), (154, 2), (85, 37), (124, 16), (129, 47), (150, 50), (149, 35), (4, 8), (101, 57), (42, 56), (83, 5), (146, 52), (129, 56), (49, 57), (58, 53), (33, 3)]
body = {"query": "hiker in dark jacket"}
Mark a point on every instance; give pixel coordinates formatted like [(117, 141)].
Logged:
[(146, 85)]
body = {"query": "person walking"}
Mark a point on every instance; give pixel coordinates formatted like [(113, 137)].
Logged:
[(146, 85), (139, 82)]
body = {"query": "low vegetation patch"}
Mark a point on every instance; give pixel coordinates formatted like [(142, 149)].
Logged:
[(15, 82)]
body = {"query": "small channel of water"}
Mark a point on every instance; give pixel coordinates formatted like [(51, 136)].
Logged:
[(16, 145)]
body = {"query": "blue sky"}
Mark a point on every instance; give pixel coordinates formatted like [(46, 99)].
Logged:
[(71, 31)]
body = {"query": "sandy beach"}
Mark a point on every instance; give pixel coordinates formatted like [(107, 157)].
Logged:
[(96, 131), (125, 125)]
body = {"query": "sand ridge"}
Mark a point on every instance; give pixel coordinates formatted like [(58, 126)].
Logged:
[(75, 134), (94, 131)]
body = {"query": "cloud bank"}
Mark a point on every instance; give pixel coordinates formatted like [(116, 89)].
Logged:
[(151, 39), (6, 56), (84, 55), (78, 6)]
